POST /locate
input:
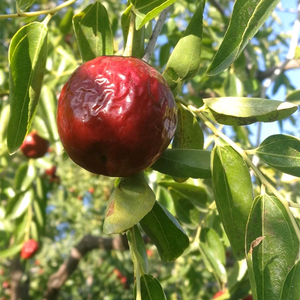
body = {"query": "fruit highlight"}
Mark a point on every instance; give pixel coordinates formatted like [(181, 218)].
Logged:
[(116, 115), (29, 248)]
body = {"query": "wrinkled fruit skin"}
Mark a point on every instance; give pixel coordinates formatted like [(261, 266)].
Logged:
[(29, 248), (116, 115), (34, 146)]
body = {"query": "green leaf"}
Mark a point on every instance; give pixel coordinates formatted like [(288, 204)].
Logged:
[(131, 200), (25, 175), (4, 117), (247, 17), (93, 32), (24, 4), (137, 249), (291, 288), (151, 288), (146, 10), (138, 35), (272, 246), (233, 86), (210, 237), (184, 163), (212, 263), (11, 251), (195, 194), (17, 205), (186, 212), (185, 59), (165, 232), (243, 111), (281, 152), (293, 96), (27, 62), (233, 194)]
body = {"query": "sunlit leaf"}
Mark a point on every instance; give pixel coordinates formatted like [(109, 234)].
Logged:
[(243, 111), (131, 200), (281, 152), (93, 32), (247, 17), (272, 246), (27, 61)]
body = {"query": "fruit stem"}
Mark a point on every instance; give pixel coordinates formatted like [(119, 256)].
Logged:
[(156, 31), (129, 42)]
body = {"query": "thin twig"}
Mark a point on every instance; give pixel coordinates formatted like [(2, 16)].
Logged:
[(37, 13), (155, 34)]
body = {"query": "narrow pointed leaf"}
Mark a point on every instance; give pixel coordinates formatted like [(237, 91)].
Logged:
[(184, 163), (24, 4), (272, 257), (146, 10), (151, 288), (4, 118), (291, 288), (281, 152), (233, 194), (93, 32), (247, 17), (184, 62), (27, 62), (131, 200), (165, 232), (243, 111)]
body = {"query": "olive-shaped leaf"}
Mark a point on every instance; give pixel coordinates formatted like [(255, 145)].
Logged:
[(281, 152), (293, 96), (27, 61), (212, 263), (233, 194), (25, 175), (138, 35), (131, 200), (4, 117), (11, 251), (151, 288), (291, 288), (17, 205), (247, 17), (233, 86), (243, 111), (146, 10), (210, 237), (195, 194), (184, 163), (186, 212), (93, 32), (184, 61), (272, 247), (137, 249), (165, 232)]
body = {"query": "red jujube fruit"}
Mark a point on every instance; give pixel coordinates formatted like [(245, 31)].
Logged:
[(29, 248), (116, 115), (34, 146)]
